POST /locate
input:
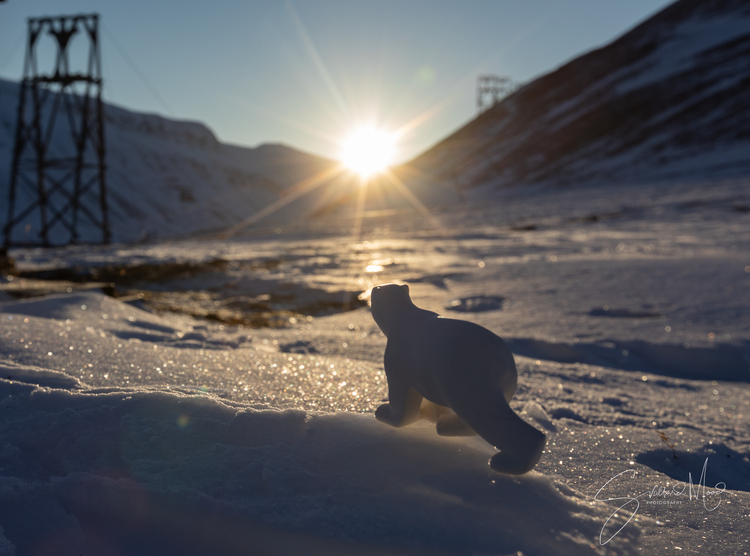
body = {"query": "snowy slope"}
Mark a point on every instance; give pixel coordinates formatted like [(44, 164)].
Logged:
[(168, 177), (128, 471), (134, 430), (668, 100)]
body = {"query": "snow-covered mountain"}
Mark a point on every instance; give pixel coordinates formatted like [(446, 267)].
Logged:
[(167, 177), (668, 100)]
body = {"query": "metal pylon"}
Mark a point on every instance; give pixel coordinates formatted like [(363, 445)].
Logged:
[(57, 192), (491, 89)]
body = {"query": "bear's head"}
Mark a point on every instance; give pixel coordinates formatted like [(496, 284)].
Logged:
[(387, 302)]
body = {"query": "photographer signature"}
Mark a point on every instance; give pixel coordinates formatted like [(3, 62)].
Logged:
[(692, 491)]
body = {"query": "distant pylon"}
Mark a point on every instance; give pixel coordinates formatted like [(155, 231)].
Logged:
[(491, 89), (58, 184)]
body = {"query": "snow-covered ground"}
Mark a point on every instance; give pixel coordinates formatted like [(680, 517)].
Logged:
[(129, 430)]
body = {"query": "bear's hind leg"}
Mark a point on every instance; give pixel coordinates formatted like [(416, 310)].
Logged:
[(518, 462), (430, 411), (447, 423), (520, 444), (450, 424)]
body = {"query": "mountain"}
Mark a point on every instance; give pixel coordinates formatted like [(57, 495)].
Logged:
[(668, 100), (166, 177)]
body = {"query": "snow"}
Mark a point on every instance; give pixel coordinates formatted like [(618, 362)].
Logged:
[(693, 37), (127, 429), (136, 459)]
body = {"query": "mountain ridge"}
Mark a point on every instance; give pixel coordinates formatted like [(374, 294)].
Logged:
[(628, 111)]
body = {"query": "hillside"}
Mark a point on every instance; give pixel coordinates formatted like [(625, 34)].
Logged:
[(167, 178), (668, 100)]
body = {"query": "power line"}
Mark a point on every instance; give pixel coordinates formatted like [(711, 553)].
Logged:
[(12, 52), (137, 71)]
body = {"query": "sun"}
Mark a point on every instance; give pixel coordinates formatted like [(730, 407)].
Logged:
[(368, 151)]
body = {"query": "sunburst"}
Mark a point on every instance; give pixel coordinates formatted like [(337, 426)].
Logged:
[(368, 151)]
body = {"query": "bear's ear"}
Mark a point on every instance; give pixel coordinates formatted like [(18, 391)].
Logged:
[(405, 287)]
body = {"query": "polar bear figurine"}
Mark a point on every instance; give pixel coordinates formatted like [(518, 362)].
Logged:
[(452, 364)]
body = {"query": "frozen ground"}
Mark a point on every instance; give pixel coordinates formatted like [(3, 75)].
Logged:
[(212, 395)]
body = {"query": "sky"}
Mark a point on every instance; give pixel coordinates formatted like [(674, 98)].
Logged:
[(307, 73)]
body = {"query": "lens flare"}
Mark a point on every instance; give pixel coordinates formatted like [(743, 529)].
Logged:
[(368, 151)]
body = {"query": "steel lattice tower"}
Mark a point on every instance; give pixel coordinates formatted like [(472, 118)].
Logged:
[(491, 89), (57, 192)]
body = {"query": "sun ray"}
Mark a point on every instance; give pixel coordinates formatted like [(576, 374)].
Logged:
[(291, 194), (409, 196), (318, 61), (424, 116), (450, 182), (419, 174), (359, 212)]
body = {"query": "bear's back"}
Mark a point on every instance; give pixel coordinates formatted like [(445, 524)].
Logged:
[(446, 357)]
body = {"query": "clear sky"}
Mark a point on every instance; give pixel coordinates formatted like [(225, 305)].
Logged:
[(306, 72)]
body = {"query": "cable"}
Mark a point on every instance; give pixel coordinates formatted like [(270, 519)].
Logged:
[(12, 51), (137, 71)]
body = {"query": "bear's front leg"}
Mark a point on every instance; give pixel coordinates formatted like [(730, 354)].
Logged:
[(402, 407)]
